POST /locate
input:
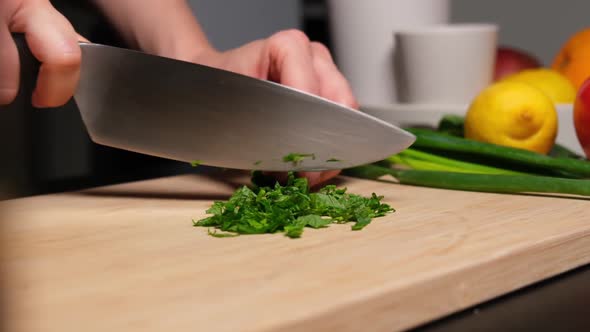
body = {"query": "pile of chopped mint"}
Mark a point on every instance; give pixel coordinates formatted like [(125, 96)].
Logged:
[(289, 209)]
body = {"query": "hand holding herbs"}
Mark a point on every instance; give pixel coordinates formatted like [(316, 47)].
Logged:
[(289, 209)]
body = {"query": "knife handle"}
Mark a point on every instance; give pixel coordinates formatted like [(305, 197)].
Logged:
[(29, 69)]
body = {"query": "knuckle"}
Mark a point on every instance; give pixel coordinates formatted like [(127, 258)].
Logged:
[(58, 103), (290, 36), (7, 95), (321, 49), (342, 94), (351, 101), (64, 60), (52, 100)]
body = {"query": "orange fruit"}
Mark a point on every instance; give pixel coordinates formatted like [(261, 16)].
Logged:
[(573, 59)]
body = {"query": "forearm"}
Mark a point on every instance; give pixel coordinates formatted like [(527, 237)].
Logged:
[(163, 27)]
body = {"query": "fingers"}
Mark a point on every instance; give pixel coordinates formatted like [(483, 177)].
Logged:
[(313, 178), (308, 66), (333, 85), (291, 61), (316, 178), (54, 43), (9, 66)]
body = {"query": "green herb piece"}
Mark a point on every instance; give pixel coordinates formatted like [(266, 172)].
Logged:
[(333, 160), (314, 221), (290, 209), (258, 163), (217, 234), (195, 163), (296, 158)]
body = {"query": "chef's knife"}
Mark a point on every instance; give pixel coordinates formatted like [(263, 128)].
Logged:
[(189, 112)]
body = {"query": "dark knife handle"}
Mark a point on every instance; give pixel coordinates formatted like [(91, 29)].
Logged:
[(29, 69)]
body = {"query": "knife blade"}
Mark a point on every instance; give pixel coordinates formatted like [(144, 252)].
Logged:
[(189, 112)]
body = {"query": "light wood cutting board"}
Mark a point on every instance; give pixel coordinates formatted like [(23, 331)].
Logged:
[(127, 258)]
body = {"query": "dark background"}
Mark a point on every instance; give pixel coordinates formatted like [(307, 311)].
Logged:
[(47, 151)]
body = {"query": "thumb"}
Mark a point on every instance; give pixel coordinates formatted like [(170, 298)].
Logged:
[(82, 38)]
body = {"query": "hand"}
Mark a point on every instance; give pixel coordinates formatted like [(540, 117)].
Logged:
[(52, 40), (288, 58)]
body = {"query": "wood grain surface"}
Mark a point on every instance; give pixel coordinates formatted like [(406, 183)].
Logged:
[(127, 258)]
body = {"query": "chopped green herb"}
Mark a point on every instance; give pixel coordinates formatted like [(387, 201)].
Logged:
[(258, 163), (333, 160), (289, 209), (216, 234), (296, 158), (195, 163)]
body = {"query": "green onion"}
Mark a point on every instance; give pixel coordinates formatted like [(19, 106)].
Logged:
[(496, 183), (451, 164), (427, 139)]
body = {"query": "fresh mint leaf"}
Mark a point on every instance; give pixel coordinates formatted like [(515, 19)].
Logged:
[(297, 158), (216, 208), (294, 231), (217, 234), (313, 221), (326, 201), (362, 221)]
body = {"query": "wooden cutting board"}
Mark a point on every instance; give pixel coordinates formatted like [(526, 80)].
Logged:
[(127, 258)]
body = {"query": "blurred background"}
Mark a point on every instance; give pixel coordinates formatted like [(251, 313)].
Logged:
[(49, 150)]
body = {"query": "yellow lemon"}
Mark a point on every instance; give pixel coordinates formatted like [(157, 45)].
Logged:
[(555, 85), (513, 114)]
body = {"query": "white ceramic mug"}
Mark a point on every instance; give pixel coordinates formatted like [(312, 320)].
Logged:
[(445, 64), (362, 43)]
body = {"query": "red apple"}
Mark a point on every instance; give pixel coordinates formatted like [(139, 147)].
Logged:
[(582, 116), (510, 60)]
